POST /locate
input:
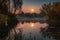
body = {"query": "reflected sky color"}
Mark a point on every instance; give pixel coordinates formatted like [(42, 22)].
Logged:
[(35, 4), (31, 30), (31, 27)]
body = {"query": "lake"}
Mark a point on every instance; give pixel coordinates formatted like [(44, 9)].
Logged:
[(30, 29)]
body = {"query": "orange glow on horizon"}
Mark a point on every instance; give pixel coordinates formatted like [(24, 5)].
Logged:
[(32, 10), (32, 25)]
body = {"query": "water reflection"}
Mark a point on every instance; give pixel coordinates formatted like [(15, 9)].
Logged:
[(32, 24), (32, 31), (30, 27)]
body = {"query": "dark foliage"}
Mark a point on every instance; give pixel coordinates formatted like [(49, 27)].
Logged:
[(53, 19), (7, 20)]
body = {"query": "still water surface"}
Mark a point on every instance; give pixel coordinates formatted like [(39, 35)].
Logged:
[(32, 31)]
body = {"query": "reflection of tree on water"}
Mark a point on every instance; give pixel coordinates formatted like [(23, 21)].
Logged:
[(14, 35), (19, 35), (8, 20), (53, 19)]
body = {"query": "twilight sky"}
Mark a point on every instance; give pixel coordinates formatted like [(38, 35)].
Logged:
[(28, 5)]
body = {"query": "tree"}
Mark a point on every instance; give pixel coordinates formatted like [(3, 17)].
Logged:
[(17, 5), (53, 12), (8, 20)]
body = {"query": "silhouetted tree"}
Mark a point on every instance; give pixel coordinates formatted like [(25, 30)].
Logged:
[(8, 20), (18, 36), (17, 4), (53, 19)]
